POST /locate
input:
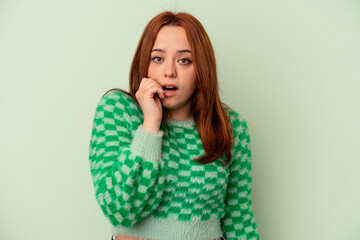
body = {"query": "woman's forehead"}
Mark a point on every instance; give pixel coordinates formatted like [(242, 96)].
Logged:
[(172, 38)]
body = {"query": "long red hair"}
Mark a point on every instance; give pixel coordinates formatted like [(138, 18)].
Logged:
[(211, 120)]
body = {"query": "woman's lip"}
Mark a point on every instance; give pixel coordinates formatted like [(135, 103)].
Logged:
[(168, 85), (170, 93)]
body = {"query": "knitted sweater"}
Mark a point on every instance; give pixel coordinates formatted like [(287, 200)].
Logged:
[(148, 185)]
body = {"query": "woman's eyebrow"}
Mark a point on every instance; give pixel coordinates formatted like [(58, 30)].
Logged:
[(178, 51)]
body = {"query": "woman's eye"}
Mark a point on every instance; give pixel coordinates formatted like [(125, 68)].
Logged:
[(185, 61), (156, 59)]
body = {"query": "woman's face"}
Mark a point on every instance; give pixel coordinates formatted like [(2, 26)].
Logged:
[(172, 64)]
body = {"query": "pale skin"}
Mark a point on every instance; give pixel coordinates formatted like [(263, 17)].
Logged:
[(171, 62)]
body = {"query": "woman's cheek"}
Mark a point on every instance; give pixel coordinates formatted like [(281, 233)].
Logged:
[(152, 72)]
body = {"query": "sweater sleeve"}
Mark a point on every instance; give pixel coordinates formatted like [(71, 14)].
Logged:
[(239, 221), (125, 168)]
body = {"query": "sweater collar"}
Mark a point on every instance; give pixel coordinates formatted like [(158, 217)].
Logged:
[(181, 123)]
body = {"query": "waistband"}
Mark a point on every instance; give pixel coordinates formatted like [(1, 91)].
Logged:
[(171, 228)]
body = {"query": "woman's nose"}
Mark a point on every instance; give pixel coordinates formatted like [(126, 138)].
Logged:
[(170, 70)]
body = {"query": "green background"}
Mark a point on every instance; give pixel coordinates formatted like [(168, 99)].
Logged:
[(291, 68)]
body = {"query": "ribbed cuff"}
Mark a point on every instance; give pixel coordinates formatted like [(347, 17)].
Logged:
[(147, 145)]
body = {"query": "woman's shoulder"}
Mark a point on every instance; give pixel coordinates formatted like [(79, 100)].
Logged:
[(117, 94), (234, 115), (117, 105), (238, 121), (119, 98)]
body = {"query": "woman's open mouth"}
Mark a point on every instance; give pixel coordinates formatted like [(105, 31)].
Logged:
[(170, 91)]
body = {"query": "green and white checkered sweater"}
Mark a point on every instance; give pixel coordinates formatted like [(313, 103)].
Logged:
[(148, 185)]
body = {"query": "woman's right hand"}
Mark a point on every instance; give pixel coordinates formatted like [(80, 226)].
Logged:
[(148, 97)]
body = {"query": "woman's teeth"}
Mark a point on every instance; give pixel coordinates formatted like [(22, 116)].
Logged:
[(170, 89)]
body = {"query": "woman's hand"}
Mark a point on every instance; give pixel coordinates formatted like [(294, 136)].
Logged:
[(148, 97)]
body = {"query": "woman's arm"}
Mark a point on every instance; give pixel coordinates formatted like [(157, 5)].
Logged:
[(239, 221), (126, 170)]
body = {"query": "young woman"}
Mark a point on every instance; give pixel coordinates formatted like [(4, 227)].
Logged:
[(169, 160)]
